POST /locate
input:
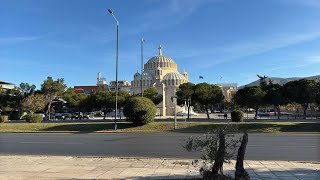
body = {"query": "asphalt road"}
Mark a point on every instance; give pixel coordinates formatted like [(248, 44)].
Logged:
[(300, 147)]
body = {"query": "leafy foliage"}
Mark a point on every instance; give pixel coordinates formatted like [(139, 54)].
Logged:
[(250, 97), (73, 98), (152, 94), (34, 118), (34, 103), (3, 118), (216, 147), (237, 116), (207, 95), (302, 91), (185, 93), (9, 100), (52, 89), (274, 96), (26, 89), (140, 110)]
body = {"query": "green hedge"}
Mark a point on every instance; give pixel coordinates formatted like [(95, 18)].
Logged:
[(3, 118), (34, 118), (237, 116), (140, 110)]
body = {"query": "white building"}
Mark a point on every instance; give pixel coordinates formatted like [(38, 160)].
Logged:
[(160, 72), (229, 90)]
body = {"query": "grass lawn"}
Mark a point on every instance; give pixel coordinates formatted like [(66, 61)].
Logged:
[(183, 127)]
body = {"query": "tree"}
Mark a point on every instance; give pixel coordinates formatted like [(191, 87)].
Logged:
[(152, 94), (302, 91), (104, 101), (318, 94), (250, 97), (207, 95), (10, 100), (34, 103), (216, 147), (274, 96), (184, 94), (140, 110), (26, 89), (51, 90), (73, 98)]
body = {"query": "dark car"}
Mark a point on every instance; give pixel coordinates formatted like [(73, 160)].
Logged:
[(77, 115), (67, 116)]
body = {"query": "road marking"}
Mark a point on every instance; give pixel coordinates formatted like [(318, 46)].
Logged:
[(71, 143)]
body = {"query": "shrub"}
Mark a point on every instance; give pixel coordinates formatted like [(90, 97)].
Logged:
[(34, 118), (237, 116), (140, 110), (3, 118)]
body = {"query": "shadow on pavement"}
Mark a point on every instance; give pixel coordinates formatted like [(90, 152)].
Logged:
[(254, 127), (87, 128)]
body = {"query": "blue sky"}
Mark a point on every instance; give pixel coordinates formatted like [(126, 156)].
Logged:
[(222, 40)]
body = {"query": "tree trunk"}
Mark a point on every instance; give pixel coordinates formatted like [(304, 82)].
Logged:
[(305, 107), (256, 114), (241, 173), (275, 110), (217, 168), (278, 109), (48, 110), (207, 112), (188, 111)]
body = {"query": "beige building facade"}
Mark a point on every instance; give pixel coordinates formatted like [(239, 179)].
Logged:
[(160, 72)]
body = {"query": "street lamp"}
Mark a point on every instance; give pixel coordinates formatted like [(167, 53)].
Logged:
[(117, 45), (142, 41)]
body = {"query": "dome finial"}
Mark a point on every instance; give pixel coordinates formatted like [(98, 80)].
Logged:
[(160, 49)]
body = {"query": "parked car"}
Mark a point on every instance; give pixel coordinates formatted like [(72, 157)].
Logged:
[(186, 114), (67, 116), (263, 113), (216, 111), (77, 115), (59, 116), (88, 115), (112, 114)]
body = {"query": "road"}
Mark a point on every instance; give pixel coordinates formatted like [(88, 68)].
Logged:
[(300, 147)]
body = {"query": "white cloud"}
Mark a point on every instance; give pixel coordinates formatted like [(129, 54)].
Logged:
[(18, 39), (167, 13), (230, 52)]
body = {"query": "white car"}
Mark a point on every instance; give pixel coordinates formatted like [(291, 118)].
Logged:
[(186, 114)]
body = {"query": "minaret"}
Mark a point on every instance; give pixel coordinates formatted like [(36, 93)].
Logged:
[(160, 50), (99, 75)]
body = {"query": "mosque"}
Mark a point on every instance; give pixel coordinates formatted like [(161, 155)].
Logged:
[(160, 72)]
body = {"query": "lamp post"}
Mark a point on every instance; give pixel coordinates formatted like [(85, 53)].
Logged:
[(174, 99), (142, 41), (117, 45)]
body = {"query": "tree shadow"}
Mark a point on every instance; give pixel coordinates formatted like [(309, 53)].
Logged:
[(254, 127), (87, 128)]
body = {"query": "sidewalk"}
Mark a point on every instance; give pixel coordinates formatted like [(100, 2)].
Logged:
[(66, 167)]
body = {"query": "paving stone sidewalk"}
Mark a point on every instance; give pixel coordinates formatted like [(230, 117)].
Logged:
[(67, 167)]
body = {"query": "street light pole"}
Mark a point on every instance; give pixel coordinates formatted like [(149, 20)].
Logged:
[(117, 46), (142, 41)]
